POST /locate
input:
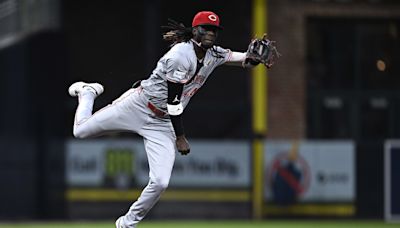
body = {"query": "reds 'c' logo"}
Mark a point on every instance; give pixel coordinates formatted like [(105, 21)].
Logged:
[(212, 17)]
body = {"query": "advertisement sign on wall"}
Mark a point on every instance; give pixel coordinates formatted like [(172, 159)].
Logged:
[(123, 164), (309, 171), (103, 163)]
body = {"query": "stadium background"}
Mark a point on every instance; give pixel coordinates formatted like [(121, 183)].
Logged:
[(337, 80)]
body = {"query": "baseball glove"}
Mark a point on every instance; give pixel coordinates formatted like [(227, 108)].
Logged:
[(262, 51)]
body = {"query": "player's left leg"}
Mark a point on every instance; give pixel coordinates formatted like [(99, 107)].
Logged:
[(160, 149)]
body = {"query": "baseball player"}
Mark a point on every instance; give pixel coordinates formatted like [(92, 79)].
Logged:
[(153, 108)]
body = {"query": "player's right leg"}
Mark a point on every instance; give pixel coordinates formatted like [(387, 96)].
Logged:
[(86, 93), (114, 117), (76, 88)]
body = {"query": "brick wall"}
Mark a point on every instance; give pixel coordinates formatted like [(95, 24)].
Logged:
[(287, 80)]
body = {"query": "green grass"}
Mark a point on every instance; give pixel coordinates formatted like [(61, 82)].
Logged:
[(213, 224)]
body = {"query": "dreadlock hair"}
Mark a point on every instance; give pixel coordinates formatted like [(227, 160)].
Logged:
[(177, 33)]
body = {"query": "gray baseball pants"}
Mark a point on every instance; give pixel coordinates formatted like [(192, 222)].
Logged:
[(130, 113)]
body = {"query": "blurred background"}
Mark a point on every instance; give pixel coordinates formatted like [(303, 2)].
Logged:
[(332, 116)]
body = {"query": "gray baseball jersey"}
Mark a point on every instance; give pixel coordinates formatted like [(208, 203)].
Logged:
[(179, 65), (131, 112)]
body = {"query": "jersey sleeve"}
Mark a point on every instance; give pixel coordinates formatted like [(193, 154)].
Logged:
[(177, 68), (226, 55)]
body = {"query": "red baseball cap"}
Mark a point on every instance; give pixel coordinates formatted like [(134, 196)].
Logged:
[(206, 18)]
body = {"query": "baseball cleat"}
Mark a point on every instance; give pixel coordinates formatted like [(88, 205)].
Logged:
[(118, 223), (78, 87)]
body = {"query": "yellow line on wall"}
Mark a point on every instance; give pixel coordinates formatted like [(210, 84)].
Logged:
[(259, 73), (258, 177), (102, 195), (312, 209), (259, 110)]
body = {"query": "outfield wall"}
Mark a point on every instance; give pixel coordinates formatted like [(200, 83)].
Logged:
[(310, 178)]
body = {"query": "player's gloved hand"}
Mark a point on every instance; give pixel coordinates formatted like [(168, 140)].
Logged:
[(262, 51), (182, 145)]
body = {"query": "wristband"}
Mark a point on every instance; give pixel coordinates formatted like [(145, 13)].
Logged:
[(175, 110)]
